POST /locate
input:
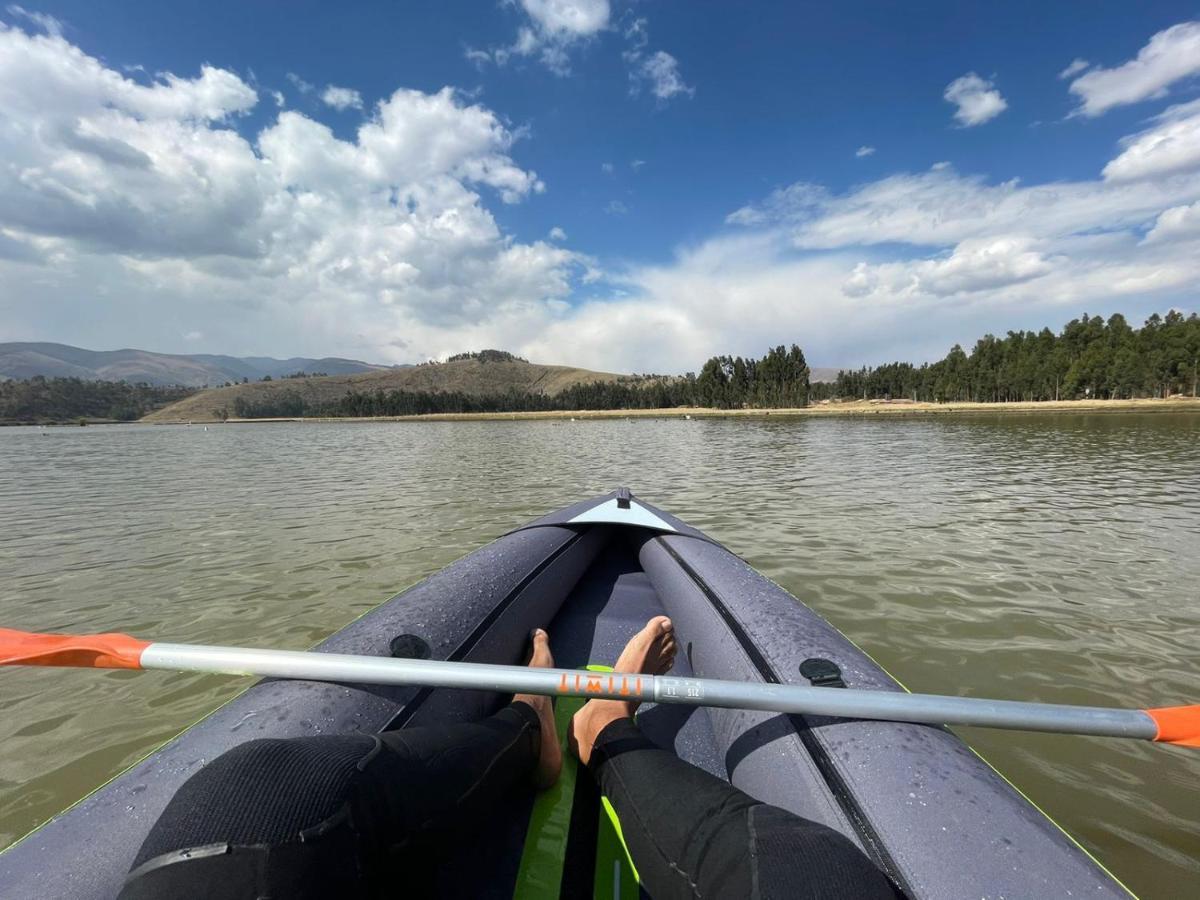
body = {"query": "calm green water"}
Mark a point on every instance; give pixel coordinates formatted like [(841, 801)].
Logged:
[(1044, 558)]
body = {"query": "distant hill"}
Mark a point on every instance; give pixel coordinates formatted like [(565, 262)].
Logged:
[(25, 360), (818, 374), (469, 376)]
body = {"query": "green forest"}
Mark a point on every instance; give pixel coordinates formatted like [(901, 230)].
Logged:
[(45, 400), (1090, 357)]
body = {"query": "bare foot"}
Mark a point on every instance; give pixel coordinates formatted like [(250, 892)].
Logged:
[(550, 754), (649, 652)]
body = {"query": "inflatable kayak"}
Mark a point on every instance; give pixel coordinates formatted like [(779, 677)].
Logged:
[(930, 812)]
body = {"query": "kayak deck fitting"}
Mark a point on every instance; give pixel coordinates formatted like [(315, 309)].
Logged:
[(934, 817)]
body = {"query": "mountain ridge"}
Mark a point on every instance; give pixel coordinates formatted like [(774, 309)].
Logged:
[(27, 359)]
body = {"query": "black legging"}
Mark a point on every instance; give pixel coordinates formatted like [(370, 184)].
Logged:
[(322, 816)]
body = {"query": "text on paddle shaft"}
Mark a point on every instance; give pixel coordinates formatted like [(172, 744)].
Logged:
[(610, 685), (618, 685)]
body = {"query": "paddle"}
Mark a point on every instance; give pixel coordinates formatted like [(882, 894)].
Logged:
[(1173, 725)]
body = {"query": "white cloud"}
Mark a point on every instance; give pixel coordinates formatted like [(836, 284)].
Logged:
[(300, 84), (280, 100), (616, 208), (975, 265), (1077, 65), (579, 18), (44, 21), (1170, 55), (1171, 145), (659, 73), (1175, 224), (193, 336), (864, 151), (795, 201), (637, 164), (606, 168), (479, 58), (301, 238), (555, 28), (341, 98), (907, 265), (382, 245), (977, 100)]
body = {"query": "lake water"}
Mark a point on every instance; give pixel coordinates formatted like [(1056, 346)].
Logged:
[(1052, 558)]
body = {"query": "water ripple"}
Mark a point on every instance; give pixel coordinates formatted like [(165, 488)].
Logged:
[(1048, 558)]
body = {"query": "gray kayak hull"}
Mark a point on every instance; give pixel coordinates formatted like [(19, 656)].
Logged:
[(932, 814)]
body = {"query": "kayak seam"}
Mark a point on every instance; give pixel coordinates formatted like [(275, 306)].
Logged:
[(402, 717), (1070, 837), (836, 785), (1049, 818)]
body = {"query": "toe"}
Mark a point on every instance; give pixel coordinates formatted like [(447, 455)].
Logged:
[(540, 653)]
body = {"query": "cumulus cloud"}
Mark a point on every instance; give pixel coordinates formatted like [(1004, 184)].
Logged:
[(974, 265), (341, 98), (1170, 56), (1175, 224), (554, 28), (659, 73), (1171, 145), (977, 100), (381, 244), (864, 151), (904, 266), (145, 190)]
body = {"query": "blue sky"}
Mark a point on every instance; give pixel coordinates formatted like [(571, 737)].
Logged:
[(630, 185)]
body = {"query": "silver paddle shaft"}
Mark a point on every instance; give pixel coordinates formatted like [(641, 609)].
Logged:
[(891, 706)]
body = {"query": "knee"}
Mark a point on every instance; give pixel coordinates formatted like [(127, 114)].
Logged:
[(269, 789)]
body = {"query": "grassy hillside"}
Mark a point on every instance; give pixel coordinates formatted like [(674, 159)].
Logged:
[(469, 376)]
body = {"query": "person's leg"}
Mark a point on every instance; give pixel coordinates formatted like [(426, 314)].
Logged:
[(303, 816), (693, 835)]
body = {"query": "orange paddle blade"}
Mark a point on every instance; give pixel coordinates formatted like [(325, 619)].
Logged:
[(1177, 724), (100, 651)]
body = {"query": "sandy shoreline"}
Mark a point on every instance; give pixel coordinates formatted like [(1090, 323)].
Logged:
[(858, 408)]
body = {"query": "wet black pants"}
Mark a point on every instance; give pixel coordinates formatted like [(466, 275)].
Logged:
[(338, 815), (693, 835)]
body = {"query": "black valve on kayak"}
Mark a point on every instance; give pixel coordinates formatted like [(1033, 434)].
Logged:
[(822, 672), (623, 498), (409, 646)]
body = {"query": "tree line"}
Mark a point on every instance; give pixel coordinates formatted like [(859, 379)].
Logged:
[(780, 378), (47, 400), (1089, 358)]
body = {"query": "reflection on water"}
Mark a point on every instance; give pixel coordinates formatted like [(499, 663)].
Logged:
[(1046, 558)]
